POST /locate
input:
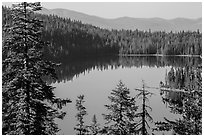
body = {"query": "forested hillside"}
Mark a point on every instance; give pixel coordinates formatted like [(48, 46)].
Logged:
[(70, 38)]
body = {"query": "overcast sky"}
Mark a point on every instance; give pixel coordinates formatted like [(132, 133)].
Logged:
[(167, 10)]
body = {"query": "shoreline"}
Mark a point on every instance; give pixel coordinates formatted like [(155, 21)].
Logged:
[(159, 55)]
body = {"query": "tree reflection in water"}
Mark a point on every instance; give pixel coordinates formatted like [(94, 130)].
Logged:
[(74, 67), (188, 103)]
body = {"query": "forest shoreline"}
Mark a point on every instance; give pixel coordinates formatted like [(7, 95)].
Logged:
[(74, 58), (143, 55)]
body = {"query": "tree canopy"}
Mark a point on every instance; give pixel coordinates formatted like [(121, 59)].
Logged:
[(29, 104)]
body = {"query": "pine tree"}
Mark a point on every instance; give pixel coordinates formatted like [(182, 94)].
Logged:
[(191, 111), (81, 128), (122, 111), (94, 127), (29, 104), (144, 114)]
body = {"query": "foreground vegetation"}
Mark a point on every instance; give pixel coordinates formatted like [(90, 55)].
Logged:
[(29, 105)]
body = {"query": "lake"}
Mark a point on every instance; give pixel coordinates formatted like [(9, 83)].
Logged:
[(96, 77)]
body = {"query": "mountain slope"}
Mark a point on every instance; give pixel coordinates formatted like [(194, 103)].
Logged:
[(155, 24)]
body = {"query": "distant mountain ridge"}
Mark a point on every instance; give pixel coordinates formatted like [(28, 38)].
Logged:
[(155, 24)]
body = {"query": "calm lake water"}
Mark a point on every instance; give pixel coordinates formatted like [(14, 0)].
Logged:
[(96, 77)]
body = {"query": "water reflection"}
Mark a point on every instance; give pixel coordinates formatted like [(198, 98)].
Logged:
[(73, 68), (186, 79)]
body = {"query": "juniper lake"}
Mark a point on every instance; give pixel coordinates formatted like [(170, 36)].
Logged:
[(96, 77), (101, 68)]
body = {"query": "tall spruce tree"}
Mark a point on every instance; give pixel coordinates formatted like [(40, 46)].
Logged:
[(122, 112), (81, 128), (29, 104), (94, 127), (144, 114)]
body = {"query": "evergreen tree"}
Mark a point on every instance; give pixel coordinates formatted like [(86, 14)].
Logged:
[(144, 115), (191, 121), (191, 111), (74, 39), (81, 128), (122, 111), (94, 127), (29, 104)]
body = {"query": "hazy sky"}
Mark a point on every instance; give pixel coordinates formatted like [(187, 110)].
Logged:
[(167, 10)]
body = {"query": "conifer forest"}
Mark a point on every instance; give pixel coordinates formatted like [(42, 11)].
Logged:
[(62, 76)]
